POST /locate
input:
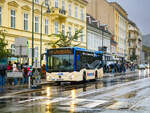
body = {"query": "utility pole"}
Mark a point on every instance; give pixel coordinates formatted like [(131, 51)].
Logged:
[(48, 11), (32, 32), (41, 36)]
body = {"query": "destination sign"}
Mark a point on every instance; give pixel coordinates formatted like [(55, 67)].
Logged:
[(59, 52)]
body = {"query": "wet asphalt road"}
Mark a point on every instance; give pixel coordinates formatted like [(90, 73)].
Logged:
[(121, 94)]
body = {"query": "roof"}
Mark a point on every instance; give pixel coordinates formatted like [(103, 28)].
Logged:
[(78, 49), (94, 24), (119, 6), (132, 23)]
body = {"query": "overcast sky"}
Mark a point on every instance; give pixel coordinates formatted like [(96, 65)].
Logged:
[(139, 12)]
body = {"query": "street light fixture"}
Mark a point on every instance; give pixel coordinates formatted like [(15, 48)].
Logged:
[(48, 11)]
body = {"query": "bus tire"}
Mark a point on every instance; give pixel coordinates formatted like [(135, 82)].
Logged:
[(84, 76), (96, 75), (58, 83)]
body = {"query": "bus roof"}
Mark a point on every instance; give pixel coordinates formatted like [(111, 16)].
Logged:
[(80, 49)]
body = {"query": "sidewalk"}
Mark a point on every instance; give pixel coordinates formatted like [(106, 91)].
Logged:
[(118, 74), (10, 90), (18, 89)]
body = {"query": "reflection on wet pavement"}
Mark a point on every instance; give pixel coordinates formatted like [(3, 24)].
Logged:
[(112, 95)]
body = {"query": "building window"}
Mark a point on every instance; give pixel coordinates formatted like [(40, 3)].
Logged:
[(36, 1), (63, 4), (46, 26), (129, 35), (56, 3), (63, 29), (46, 3), (56, 27), (76, 12), (0, 16), (69, 31), (81, 37), (69, 10), (13, 19), (36, 24), (75, 30), (81, 14), (25, 21)]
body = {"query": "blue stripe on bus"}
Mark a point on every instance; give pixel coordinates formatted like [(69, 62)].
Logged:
[(74, 60), (90, 74)]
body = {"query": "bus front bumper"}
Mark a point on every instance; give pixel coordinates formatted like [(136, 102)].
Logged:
[(65, 77)]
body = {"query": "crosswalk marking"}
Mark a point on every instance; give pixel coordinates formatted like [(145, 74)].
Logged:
[(95, 103), (33, 99), (118, 105), (74, 101)]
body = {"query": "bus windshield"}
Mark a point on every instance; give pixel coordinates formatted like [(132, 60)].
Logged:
[(60, 63)]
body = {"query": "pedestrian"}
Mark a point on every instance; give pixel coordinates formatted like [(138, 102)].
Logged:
[(2, 74), (15, 67), (9, 66), (43, 72), (112, 68), (25, 75), (9, 69)]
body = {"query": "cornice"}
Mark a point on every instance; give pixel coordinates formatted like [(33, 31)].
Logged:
[(26, 7), (13, 3)]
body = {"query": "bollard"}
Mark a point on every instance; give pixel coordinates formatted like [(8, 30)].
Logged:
[(29, 83)]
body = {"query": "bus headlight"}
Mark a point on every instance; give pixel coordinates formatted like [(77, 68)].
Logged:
[(72, 76), (48, 77)]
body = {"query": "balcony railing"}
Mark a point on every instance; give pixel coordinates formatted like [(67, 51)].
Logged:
[(58, 13)]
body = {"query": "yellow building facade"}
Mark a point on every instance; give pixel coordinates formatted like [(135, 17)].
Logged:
[(64, 16), (120, 30)]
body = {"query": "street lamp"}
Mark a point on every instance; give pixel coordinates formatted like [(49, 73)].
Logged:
[(103, 58), (48, 11), (32, 32)]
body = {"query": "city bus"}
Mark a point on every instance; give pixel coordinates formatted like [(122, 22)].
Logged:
[(73, 64)]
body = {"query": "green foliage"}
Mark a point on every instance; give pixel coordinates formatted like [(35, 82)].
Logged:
[(146, 49), (133, 57), (3, 44), (65, 40)]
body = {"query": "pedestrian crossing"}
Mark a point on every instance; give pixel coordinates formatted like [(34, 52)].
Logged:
[(108, 98), (65, 103)]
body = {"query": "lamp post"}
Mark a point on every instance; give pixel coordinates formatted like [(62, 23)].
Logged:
[(48, 11), (102, 51), (32, 32)]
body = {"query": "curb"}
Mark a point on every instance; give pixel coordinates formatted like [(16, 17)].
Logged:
[(9, 95), (118, 74), (27, 91)]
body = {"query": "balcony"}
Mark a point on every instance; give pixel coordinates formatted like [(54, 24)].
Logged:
[(57, 13), (132, 46), (132, 38)]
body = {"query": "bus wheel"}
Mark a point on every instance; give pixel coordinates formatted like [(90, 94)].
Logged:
[(58, 83), (84, 76), (96, 75)]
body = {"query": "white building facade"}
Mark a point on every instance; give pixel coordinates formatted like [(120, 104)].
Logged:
[(98, 38), (122, 30)]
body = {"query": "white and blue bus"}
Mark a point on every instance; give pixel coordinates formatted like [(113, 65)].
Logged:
[(72, 64)]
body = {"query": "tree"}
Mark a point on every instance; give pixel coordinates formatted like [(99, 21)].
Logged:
[(3, 44), (134, 56), (65, 40)]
